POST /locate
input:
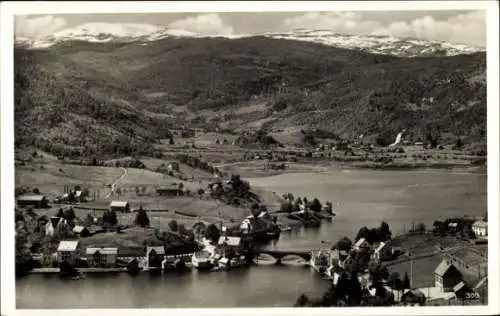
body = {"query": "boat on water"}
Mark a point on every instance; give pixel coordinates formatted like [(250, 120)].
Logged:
[(202, 260), (320, 261)]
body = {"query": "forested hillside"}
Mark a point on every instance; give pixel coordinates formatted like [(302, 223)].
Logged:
[(93, 98)]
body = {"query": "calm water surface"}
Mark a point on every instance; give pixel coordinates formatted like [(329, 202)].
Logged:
[(360, 197)]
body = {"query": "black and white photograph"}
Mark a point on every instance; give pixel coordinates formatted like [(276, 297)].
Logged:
[(232, 156)]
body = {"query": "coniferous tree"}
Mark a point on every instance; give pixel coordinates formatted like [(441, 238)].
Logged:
[(212, 233), (354, 290), (142, 218), (406, 282), (173, 225)]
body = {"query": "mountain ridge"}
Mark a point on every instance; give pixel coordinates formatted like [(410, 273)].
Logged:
[(146, 33)]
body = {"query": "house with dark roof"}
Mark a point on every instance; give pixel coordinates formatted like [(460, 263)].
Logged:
[(446, 276), (154, 257), (36, 201), (81, 231), (413, 297)]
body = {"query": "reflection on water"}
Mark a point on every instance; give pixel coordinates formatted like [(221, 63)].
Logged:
[(360, 197)]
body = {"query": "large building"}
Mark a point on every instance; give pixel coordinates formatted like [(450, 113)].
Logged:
[(68, 251), (480, 228), (101, 257), (36, 201)]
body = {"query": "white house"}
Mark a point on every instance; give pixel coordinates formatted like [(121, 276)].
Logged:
[(480, 228), (245, 226), (362, 244), (101, 257), (51, 225), (67, 251), (230, 241)]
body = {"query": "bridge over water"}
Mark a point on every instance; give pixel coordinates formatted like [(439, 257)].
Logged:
[(278, 255)]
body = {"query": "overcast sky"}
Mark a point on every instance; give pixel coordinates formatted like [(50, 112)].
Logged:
[(467, 27)]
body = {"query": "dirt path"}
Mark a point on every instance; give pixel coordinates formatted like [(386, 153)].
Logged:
[(113, 186)]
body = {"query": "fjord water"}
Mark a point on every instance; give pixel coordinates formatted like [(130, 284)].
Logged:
[(359, 197)]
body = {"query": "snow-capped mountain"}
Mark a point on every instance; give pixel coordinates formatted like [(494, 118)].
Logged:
[(144, 33), (379, 44)]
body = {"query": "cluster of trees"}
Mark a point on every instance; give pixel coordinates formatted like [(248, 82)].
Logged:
[(237, 193), (139, 190), (349, 292), (30, 237), (23, 256), (463, 227), (197, 163), (130, 163), (293, 205), (372, 235), (259, 138)]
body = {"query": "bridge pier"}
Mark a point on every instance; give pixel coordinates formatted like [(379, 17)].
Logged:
[(278, 261)]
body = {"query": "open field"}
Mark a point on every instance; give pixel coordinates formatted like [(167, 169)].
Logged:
[(129, 238), (50, 178)]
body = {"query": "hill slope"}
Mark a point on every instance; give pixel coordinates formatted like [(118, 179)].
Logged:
[(118, 87)]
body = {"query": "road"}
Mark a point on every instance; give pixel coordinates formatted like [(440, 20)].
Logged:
[(113, 185)]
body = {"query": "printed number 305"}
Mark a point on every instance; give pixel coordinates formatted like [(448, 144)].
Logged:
[(471, 296)]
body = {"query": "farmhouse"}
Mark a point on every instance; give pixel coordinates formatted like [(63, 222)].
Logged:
[(119, 206), (480, 228), (101, 257), (36, 201), (68, 251), (446, 276)]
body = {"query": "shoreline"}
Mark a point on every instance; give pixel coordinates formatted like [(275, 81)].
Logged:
[(318, 169)]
